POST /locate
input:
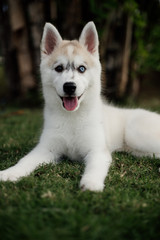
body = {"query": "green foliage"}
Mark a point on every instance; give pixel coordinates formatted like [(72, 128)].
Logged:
[(49, 204), (146, 38), (139, 51), (101, 11), (153, 48)]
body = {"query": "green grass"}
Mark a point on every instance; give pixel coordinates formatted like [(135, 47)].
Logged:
[(49, 205)]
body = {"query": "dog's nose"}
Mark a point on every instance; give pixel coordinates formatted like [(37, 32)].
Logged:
[(69, 88)]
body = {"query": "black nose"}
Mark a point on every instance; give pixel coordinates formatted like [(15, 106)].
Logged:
[(69, 88)]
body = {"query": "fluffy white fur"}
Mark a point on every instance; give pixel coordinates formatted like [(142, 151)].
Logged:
[(93, 130)]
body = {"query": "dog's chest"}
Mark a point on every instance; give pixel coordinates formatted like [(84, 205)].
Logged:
[(73, 143), (74, 134), (69, 138)]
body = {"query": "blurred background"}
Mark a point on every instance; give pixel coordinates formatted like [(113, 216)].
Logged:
[(129, 33)]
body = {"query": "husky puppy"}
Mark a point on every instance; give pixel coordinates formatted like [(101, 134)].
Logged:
[(77, 123)]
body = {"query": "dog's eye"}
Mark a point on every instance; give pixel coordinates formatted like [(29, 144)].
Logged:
[(81, 69), (59, 68)]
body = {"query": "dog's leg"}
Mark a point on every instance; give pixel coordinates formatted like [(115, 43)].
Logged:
[(97, 166), (27, 164), (142, 133)]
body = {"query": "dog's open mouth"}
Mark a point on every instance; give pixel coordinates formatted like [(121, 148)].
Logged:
[(70, 103)]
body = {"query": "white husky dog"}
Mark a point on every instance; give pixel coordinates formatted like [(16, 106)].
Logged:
[(77, 123)]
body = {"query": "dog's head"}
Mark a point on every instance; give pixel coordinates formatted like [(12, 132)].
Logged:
[(70, 68)]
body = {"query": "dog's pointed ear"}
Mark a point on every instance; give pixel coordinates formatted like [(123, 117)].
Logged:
[(50, 39), (89, 38)]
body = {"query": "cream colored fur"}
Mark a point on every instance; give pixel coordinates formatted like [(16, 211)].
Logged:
[(93, 129)]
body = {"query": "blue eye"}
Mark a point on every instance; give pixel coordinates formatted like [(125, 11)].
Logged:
[(81, 69)]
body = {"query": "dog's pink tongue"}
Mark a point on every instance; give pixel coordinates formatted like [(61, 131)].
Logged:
[(70, 103)]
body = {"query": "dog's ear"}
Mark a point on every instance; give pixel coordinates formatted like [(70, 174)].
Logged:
[(50, 39), (89, 38)]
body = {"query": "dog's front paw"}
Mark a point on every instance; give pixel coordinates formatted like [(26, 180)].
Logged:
[(7, 175), (88, 183)]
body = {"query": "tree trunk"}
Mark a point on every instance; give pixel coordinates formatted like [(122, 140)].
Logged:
[(126, 58), (20, 43)]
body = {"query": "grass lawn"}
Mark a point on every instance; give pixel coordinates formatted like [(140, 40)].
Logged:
[(49, 205)]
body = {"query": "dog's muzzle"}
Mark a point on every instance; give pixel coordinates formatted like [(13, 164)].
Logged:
[(70, 100)]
